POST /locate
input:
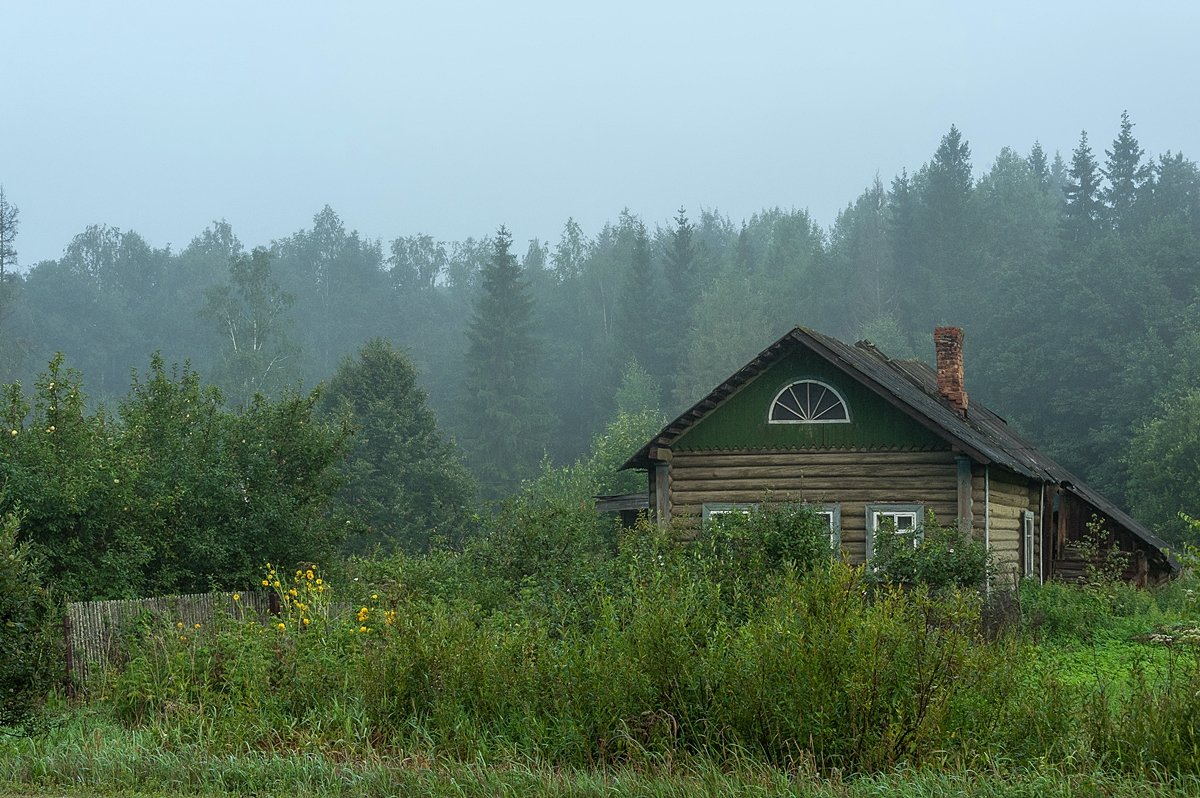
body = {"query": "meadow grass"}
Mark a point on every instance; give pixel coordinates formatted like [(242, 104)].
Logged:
[(90, 755), (677, 674)]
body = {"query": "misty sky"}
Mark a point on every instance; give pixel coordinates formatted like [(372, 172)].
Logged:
[(452, 118)]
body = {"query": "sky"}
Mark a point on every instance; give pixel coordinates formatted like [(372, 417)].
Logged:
[(452, 118)]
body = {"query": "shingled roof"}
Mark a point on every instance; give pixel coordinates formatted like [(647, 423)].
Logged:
[(911, 387)]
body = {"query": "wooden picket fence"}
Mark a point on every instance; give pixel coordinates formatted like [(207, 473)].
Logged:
[(96, 632)]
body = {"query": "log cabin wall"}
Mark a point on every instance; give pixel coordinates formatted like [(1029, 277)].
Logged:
[(851, 479), (999, 500)]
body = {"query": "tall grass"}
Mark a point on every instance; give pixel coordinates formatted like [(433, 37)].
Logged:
[(822, 668), (90, 755), (735, 655)]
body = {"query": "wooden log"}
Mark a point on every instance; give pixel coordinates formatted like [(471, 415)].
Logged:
[(978, 494), (1008, 515)]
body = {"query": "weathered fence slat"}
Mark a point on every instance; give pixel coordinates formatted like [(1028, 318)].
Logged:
[(96, 632)]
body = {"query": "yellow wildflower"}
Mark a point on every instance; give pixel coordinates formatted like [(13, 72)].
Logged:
[(276, 584), (237, 596), (362, 614), (266, 583), (183, 638), (305, 620), (292, 592), (196, 626), (179, 625), (281, 626), (308, 574), (374, 597), (319, 582), (362, 630)]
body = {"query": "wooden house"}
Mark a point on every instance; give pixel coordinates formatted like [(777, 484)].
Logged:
[(878, 444)]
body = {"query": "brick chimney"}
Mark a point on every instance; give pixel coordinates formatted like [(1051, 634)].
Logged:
[(948, 343)]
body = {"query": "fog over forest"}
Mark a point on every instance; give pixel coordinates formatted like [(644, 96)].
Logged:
[(555, 233)]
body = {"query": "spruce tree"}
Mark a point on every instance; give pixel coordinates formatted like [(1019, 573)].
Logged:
[(901, 225), (945, 201), (680, 265), (682, 292), (1127, 176), (505, 427), (1038, 163), (1084, 210), (404, 486), (637, 320)]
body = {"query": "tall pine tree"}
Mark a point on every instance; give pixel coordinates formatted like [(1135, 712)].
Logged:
[(1038, 163), (1127, 176), (637, 322), (1084, 209), (506, 428), (403, 484), (680, 263), (946, 229)]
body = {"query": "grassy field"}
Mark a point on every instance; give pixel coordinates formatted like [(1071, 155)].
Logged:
[(675, 676), (91, 756)]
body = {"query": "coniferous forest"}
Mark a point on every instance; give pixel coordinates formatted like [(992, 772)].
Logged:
[(1074, 270)]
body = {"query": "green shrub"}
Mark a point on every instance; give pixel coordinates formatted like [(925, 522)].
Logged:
[(30, 648), (764, 540), (940, 557), (1060, 611)]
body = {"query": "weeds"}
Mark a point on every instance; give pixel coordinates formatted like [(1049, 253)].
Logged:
[(733, 660)]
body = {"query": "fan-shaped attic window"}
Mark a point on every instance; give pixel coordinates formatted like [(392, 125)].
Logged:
[(809, 402)]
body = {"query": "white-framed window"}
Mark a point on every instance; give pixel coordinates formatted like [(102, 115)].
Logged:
[(899, 519), (833, 514), (808, 402), (1027, 540), (712, 509)]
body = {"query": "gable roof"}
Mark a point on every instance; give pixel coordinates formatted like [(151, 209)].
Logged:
[(911, 387)]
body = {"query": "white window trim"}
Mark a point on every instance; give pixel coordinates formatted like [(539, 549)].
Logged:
[(875, 513), (1027, 529), (834, 513), (725, 508), (824, 385)]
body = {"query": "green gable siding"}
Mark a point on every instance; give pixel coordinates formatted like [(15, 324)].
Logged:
[(741, 421)]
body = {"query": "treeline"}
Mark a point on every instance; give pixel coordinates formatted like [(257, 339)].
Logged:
[(1076, 279)]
